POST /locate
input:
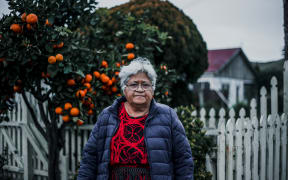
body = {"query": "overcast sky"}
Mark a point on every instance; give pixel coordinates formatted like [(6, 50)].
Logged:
[(254, 25)]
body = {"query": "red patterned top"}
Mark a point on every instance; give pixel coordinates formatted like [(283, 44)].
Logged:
[(128, 145)]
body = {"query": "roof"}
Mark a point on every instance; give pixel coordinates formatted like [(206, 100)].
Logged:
[(219, 57)]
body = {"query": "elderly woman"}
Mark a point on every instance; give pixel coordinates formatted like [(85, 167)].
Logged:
[(136, 137)]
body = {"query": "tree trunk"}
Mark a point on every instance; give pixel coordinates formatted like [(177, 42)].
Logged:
[(285, 5), (54, 147)]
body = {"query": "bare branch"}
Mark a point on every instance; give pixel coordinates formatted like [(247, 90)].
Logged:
[(38, 126), (46, 96)]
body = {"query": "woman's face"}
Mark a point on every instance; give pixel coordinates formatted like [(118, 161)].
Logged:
[(139, 90)]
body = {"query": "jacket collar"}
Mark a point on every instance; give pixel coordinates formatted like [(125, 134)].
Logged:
[(114, 107)]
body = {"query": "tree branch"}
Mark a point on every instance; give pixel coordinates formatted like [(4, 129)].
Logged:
[(46, 96), (42, 112), (38, 126)]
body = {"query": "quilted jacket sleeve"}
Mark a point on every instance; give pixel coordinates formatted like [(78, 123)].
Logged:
[(182, 155), (88, 165)]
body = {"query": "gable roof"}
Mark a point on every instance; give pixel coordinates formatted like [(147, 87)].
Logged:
[(219, 57)]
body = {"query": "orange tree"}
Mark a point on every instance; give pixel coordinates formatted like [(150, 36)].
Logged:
[(185, 50), (64, 57)]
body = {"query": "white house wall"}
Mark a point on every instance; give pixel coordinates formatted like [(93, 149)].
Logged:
[(216, 85)]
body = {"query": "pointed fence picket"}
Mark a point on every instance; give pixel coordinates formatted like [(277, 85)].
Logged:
[(255, 148)]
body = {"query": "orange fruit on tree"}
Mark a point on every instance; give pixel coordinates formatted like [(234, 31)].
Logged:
[(23, 17), (58, 110), (114, 89), (31, 18), (90, 112), (29, 27), (166, 93), (16, 28), (88, 78), (105, 87), (109, 83), (2, 59), (117, 73), (16, 88), (113, 80), (71, 82), (96, 74), (130, 56), (90, 89), (67, 106), (88, 85), (118, 95), (104, 78), (43, 75), (47, 23), (80, 122), (66, 118), (60, 45), (118, 64), (92, 106), (80, 93), (51, 59), (129, 46), (74, 111), (123, 62), (104, 64), (59, 57)]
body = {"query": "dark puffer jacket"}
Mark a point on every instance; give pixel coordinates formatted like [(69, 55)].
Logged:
[(169, 153)]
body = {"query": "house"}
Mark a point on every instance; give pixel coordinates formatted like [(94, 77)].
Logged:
[(230, 79)]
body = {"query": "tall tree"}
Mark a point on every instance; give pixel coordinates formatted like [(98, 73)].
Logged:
[(185, 50)]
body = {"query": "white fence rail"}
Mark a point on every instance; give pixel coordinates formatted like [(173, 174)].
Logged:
[(248, 147)]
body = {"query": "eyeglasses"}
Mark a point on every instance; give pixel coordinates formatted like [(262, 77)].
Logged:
[(144, 86)]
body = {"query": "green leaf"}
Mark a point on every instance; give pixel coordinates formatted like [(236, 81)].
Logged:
[(67, 69), (80, 73), (51, 19), (159, 49), (8, 20), (119, 33), (52, 70), (49, 48)]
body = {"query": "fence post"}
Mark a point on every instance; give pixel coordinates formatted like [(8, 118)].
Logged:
[(271, 123), (285, 87), (238, 145), (284, 146), (221, 147), (26, 146), (27, 157), (63, 165), (274, 96)]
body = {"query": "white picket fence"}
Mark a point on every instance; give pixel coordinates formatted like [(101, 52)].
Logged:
[(253, 147)]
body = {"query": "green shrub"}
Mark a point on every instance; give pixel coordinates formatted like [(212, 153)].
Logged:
[(199, 142)]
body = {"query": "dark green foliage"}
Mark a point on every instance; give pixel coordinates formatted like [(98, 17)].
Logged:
[(185, 50), (199, 142), (265, 71)]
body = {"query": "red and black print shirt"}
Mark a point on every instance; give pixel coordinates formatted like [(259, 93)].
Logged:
[(128, 145)]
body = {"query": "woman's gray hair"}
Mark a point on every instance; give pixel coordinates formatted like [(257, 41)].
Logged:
[(136, 66)]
